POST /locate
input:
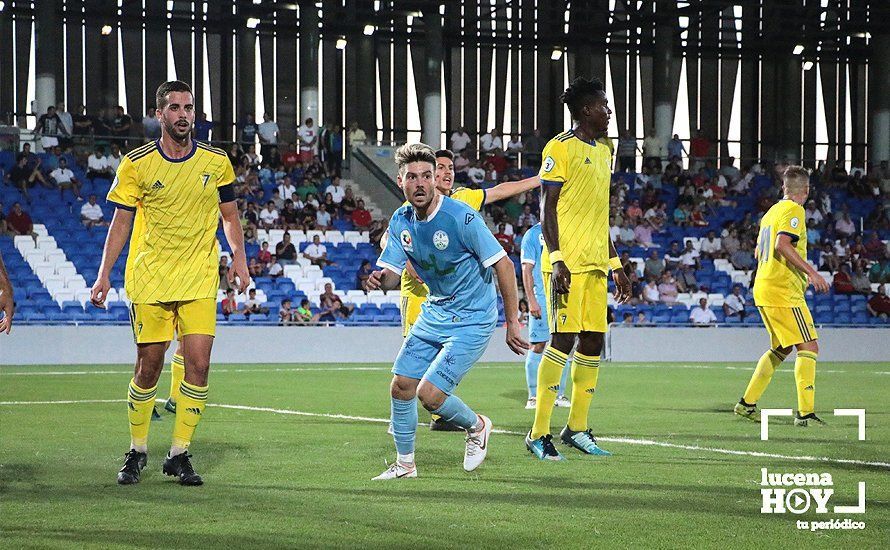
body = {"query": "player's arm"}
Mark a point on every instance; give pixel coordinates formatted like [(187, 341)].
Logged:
[(622, 283), (383, 279), (118, 233), (235, 237), (510, 189), (7, 302), (506, 275), (393, 260), (528, 282), (561, 278), (786, 249)]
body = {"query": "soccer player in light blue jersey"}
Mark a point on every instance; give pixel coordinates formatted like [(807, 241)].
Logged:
[(454, 252), (538, 327)]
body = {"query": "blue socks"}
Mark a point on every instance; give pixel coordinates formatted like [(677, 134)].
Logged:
[(565, 377), (404, 424), (532, 361), (455, 411)]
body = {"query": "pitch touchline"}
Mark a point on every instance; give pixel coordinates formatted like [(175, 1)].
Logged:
[(387, 369), (626, 440)]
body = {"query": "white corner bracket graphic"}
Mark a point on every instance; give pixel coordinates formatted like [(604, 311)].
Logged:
[(854, 412), (859, 508), (764, 420)]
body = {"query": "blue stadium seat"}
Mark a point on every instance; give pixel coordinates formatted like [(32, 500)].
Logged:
[(735, 320)]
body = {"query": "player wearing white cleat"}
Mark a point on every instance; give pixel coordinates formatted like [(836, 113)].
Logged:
[(477, 444), (397, 470)]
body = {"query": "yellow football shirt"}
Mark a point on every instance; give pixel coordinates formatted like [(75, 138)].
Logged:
[(583, 170), (778, 283), (475, 199), (173, 253)]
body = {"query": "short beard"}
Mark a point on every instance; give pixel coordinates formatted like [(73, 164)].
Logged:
[(173, 132)]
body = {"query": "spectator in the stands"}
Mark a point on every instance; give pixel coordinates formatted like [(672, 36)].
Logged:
[(228, 305), (285, 251), (336, 190), (527, 218), (476, 174), (97, 165), (151, 126), (287, 188), (255, 268), (634, 212), (828, 258), (223, 271), (348, 204), (652, 147), (304, 314), (676, 148), (332, 207), (491, 143), (626, 234), (697, 218), (743, 258), (308, 134), (290, 217), (312, 201), (252, 305), (686, 281), (323, 218), (267, 131), (332, 307), (114, 158), (50, 128), (362, 274), (264, 256), (628, 319), (505, 240), (460, 140), (814, 235), (317, 253), (285, 313), (702, 315), (361, 217), (673, 256), (269, 216), (813, 213), (690, 256), (248, 132), (860, 281), (650, 293), (534, 146), (711, 246), (203, 127), (121, 124), (642, 320), (842, 249), (667, 288), (91, 214), (843, 281), (734, 304), (654, 266), (24, 176), (514, 147), (844, 225), (64, 179), (874, 247), (19, 222), (356, 136), (730, 243), (643, 234), (857, 249), (879, 304), (627, 152)]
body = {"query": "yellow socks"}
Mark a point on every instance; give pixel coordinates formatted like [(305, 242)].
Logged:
[(549, 374), (766, 366), (805, 377), (189, 408), (585, 371), (177, 370), (140, 404)]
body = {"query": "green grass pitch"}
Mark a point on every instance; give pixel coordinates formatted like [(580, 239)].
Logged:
[(293, 480)]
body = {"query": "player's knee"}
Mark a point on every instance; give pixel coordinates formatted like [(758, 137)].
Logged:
[(430, 396), (563, 342), (591, 343), (539, 347), (809, 346), (402, 388)]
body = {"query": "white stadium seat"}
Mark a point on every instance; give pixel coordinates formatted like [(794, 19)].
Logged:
[(334, 237), (83, 296), (66, 270), (312, 233), (313, 273), (40, 230), (44, 271), (293, 271), (34, 255), (23, 243), (46, 242), (56, 257), (303, 262), (75, 282), (307, 288), (715, 299), (63, 296)]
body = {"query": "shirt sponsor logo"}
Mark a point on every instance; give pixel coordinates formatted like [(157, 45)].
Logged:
[(440, 240)]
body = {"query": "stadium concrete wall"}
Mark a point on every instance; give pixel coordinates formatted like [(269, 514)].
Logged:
[(72, 345)]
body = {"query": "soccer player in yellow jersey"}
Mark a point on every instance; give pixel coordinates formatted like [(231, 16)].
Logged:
[(577, 255), (182, 186), (781, 278), (413, 291)]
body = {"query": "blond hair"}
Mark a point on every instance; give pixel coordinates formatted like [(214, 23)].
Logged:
[(414, 152), (796, 179)]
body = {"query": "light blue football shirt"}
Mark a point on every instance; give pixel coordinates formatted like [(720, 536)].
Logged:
[(452, 251), (530, 253)]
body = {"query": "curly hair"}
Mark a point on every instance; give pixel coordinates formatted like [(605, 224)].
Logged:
[(414, 152), (578, 93)]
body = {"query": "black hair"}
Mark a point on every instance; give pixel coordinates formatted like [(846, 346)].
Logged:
[(170, 86), (445, 153), (579, 92)]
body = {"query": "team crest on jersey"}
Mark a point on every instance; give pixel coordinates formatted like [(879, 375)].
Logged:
[(548, 165), (794, 223), (407, 243), (440, 240), (205, 177)]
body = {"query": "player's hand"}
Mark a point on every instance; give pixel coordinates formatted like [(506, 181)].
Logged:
[(534, 308), (7, 306), (561, 278), (514, 338), (818, 282), (239, 270), (99, 292), (375, 280), (622, 286)]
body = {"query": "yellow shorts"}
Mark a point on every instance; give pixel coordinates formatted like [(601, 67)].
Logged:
[(788, 326), (410, 310), (156, 322), (583, 309)]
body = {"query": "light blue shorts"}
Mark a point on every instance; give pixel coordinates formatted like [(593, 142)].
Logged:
[(442, 360), (539, 329)]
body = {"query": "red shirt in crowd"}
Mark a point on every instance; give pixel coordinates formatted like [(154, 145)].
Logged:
[(880, 303), (290, 158), (20, 223), (361, 217), (506, 241), (699, 147)]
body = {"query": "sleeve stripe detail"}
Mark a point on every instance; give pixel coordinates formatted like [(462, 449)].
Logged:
[(226, 193), (528, 261), (493, 259), (484, 199), (794, 238), (390, 267), (122, 206), (551, 182)]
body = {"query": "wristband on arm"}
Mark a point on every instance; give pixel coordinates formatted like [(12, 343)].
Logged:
[(555, 256), (615, 263)]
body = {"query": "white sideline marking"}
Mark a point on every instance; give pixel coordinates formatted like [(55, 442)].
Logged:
[(387, 369), (626, 440)]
